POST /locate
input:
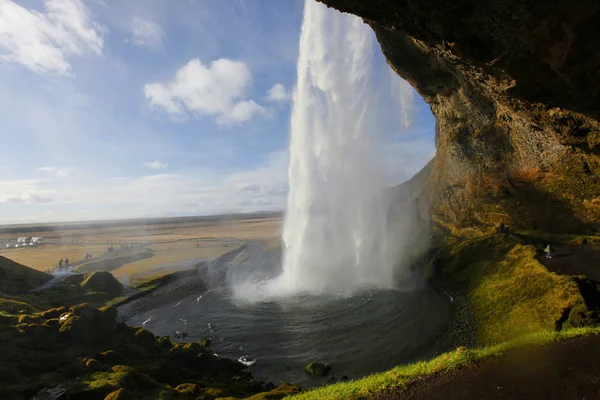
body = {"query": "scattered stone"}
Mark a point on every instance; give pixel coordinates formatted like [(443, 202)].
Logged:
[(317, 369)]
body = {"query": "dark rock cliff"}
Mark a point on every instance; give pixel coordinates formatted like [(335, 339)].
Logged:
[(514, 86)]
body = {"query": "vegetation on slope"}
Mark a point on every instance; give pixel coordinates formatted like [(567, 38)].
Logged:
[(16, 278), (51, 348), (510, 291), (402, 376)]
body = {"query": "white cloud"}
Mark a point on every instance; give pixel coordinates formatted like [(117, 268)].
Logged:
[(86, 195), (155, 165), (55, 170), (23, 191), (278, 93), (217, 90), (41, 41), (146, 33)]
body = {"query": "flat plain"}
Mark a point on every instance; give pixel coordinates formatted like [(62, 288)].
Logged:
[(148, 248)]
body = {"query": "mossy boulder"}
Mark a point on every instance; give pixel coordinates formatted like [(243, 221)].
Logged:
[(189, 389), (164, 342), (121, 394), (144, 337), (285, 389), (53, 313), (102, 281), (30, 319), (95, 365), (317, 369), (86, 324), (111, 358)]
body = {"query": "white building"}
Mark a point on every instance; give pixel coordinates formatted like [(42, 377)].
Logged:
[(37, 239), (24, 239)]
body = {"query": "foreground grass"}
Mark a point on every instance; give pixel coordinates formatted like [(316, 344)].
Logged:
[(402, 375)]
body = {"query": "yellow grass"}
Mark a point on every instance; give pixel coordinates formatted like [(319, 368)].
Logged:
[(172, 253), (45, 256), (173, 243)]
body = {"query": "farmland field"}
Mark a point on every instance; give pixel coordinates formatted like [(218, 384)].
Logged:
[(138, 249)]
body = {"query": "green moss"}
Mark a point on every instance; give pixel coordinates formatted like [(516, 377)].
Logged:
[(189, 389), (285, 389), (317, 369), (511, 292), (10, 306), (121, 394), (111, 358), (401, 376)]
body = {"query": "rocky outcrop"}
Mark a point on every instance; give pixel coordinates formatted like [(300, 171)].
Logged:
[(89, 355), (514, 88)]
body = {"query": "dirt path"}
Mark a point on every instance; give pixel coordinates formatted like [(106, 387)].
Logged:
[(575, 260), (564, 370)]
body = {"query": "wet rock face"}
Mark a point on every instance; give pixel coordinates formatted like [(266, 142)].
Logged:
[(514, 87)]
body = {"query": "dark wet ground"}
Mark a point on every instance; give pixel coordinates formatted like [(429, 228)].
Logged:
[(368, 332), (565, 370), (583, 259)]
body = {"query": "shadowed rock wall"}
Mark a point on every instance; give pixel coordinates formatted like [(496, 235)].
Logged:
[(514, 86)]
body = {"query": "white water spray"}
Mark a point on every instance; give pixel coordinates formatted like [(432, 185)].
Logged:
[(336, 233)]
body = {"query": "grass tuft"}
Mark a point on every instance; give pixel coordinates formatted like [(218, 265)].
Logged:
[(401, 376)]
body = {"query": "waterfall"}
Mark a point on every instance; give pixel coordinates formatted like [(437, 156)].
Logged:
[(335, 229)]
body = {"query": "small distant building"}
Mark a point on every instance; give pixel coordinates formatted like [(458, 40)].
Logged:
[(24, 239), (37, 239)]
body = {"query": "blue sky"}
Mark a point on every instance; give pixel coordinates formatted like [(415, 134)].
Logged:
[(114, 109)]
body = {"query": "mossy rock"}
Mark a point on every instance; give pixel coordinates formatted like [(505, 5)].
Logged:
[(285, 389), (111, 358), (121, 394), (85, 310), (119, 377), (53, 313), (317, 369), (164, 342), (144, 337), (75, 368), (86, 324), (193, 348), (189, 389), (95, 365), (30, 319), (204, 342), (102, 281)]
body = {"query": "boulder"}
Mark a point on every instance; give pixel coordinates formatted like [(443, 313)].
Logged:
[(189, 389), (102, 281), (95, 366), (111, 358), (317, 369), (144, 337), (53, 313)]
